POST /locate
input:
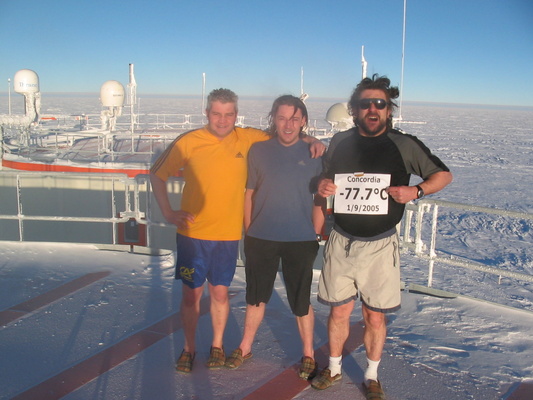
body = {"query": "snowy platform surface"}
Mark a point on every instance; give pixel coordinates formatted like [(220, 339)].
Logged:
[(78, 322)]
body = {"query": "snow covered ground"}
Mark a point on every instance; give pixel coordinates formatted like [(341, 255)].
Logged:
[(436, 348)]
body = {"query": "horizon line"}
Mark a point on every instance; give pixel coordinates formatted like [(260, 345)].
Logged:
[(266, 97)]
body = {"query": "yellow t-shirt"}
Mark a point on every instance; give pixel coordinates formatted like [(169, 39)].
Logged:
[(215, 174)]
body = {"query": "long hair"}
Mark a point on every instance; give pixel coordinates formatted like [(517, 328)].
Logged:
[(376, 82), (286, 100), (223, 96)]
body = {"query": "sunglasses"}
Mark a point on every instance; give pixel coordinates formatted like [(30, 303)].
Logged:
[(380, 104)]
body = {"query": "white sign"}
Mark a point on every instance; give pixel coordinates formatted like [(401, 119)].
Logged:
[(361, 193)]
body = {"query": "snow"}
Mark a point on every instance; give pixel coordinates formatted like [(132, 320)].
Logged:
[(452, 348)]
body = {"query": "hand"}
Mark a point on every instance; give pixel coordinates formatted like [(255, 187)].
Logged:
[(403, 194), (326, 187), (317, 149), (180, 218)]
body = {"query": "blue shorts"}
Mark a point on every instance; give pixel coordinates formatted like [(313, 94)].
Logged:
[(200, 260)]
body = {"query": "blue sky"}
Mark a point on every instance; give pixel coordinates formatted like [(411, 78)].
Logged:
[(457, 51)]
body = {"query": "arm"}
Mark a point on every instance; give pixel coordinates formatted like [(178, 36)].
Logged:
[(326, 187), (433, 184), (179, 218), (317, 148), (248, 195), (319, 212)]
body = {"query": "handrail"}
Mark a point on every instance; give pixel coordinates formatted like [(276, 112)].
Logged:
[(130, 199), (429, 252), (61, 139)]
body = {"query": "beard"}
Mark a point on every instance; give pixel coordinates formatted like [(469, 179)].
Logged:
[(378, 129)]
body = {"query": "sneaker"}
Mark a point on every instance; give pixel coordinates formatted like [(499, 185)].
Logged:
[(308, 368), (236, 359), (325, 380), (373, 390), (217, 358), (184, 364)]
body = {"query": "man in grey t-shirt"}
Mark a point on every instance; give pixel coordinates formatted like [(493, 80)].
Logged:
[(283, 222)]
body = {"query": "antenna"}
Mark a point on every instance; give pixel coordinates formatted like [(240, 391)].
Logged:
[(203, 94), (133, 97), (9, 95), (301, 80), (303, 96), (363, 62), (403, 57)]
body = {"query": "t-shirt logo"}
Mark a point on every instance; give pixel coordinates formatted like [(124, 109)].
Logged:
[(239, 155)]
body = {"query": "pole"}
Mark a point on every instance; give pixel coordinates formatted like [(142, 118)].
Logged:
[(403, 57), (363, 63), (203, 94), (9, 95)]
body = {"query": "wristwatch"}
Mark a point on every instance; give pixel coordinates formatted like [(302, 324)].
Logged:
[(420, 192), (318, 237)]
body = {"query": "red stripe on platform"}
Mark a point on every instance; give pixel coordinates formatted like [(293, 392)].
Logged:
[(524, 391), (18, 311), (287, 384), (78, 375), (35, 166)]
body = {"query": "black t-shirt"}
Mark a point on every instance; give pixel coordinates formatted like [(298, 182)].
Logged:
[(392, 153)]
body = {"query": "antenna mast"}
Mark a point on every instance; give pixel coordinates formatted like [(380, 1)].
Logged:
[(403, 57), (301, 80), (133, 98), (9, 95), (203, 94), (363, 62), (303, 96)]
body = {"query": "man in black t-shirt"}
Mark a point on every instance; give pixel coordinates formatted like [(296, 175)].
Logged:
[(368, 169)]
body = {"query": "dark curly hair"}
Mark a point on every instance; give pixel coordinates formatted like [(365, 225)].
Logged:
[(379, 83)]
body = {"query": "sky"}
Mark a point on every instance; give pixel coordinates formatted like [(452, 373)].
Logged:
[(456, 51)]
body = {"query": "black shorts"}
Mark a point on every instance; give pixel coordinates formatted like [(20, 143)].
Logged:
[(262, 264)]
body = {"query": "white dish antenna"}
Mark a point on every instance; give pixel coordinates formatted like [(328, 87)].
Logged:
[(26, 81), (339, 118), (112, 94)]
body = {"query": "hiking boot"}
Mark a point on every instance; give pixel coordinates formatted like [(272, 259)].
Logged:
[(217, 358), (308, 368), (325, 380), (184, 364)]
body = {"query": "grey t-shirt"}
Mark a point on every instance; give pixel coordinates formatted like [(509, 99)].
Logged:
[(284, 180)]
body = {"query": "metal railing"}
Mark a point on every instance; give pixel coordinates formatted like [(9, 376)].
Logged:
[(80, 138), (122, 202), (426, 247), (30, 198)]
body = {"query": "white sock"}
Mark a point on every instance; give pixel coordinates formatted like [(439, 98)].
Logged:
[(371, 370), (335, 365)]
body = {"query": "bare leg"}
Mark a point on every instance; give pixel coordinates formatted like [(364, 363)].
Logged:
[(375, 333), (252, 320), (306, 325), (339, 327), (190, 312), (219, 312)]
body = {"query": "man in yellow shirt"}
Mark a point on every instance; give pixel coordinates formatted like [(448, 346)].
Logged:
[(214, 164)]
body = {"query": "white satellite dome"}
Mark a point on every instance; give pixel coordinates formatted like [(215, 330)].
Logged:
[(112, 94), (339, 117), (26, 81)]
